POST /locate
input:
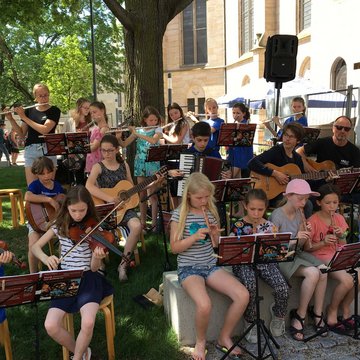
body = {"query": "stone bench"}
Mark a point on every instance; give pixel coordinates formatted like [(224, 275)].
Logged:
[(180, 309)]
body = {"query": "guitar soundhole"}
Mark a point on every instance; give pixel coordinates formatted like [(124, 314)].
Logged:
[(123, 196)]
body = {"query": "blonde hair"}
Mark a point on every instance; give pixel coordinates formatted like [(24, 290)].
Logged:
[(40, 86), (210, 101), (195, 182)]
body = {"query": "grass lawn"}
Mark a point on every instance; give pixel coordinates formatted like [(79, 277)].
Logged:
[(140, 334)]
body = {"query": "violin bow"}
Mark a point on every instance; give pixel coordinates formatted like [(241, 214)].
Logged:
[(103, 241)]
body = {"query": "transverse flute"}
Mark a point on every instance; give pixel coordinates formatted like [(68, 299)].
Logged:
[(25, 107)]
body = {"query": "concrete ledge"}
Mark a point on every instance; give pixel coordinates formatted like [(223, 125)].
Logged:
[(180, 309)]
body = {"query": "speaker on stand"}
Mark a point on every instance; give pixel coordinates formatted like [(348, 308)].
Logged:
[(280, 62)]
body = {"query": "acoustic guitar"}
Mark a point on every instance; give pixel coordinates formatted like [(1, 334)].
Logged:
[(40, 215), (271, 186), (128, 193)]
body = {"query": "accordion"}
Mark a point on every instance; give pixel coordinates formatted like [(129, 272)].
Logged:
[(189, 163)]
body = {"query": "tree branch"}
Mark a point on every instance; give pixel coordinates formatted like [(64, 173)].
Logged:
[(120, 13), (176, 6)]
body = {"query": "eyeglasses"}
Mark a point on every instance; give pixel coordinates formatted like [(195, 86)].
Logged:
[(107, 151), (339, 127), (42, 96), (289, 136), (85, 107)]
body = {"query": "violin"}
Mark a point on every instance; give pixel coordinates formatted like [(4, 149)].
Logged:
[(91, 232), (78, 231), (15, 260)]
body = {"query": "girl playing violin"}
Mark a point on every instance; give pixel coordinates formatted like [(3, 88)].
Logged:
[(328, 231), (106, 174), (77, 207), (191, 224)]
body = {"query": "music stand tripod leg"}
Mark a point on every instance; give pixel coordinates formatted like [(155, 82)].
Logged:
[(262, 331)]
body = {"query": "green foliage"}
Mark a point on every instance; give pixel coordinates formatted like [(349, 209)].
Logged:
[(140, 334), (67, 73), (32, 30)]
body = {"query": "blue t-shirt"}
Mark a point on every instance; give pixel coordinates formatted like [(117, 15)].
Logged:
[(216, 124), (211, 152), (302, 121), (37, 188)]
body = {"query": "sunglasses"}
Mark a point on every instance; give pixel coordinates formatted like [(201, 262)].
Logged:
[(346, 128)]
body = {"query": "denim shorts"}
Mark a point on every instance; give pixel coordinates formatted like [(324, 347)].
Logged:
[(200, 270), (34, 151)]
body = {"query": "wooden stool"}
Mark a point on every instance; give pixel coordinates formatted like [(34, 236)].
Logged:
[(16, 201), (107, 307), (5, 339)]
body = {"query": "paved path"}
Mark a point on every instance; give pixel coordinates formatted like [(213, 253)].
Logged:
[(332, 347)]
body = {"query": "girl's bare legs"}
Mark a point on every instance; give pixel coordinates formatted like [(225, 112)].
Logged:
[(32, 259), (154, 204), (88, 315), (343, 295), (319, 295), (311, 277), (55, 329), (225, 283), (135, 228), (195, 287), (143, 204), (14, 157)]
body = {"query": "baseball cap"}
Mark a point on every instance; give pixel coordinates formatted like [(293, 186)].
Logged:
[(300, 187)]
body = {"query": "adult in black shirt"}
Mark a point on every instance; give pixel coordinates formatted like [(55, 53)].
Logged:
[(36, 121), (336, 148), (280, 155)]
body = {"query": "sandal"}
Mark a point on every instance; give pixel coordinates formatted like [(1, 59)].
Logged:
[(338, 328), (322, 330), (349, 323), (294, 332)]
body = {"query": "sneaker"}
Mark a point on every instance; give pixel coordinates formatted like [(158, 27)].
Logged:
[(122, 273), (87, 355), (277, 325), (251, 336)]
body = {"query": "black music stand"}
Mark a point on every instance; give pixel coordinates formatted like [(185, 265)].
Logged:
[(104, 209), (36, 287), (347, 257), (236, 134), (165, 152), (72, 146), (269, 248), (229, 190), (348, 183), (311, 134)]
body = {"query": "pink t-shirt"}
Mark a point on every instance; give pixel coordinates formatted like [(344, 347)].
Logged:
[(95, 156), (319, 230)]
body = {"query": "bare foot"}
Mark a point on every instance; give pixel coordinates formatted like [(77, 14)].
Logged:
[(199, 352)]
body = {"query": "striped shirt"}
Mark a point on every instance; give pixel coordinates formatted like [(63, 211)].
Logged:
[(79, 258), (201, 252)]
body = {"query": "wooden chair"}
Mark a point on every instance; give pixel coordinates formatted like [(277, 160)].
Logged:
[(17, 206), (5, 339), (107, 307)]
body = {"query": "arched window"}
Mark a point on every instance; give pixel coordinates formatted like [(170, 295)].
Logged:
[(339, 75)]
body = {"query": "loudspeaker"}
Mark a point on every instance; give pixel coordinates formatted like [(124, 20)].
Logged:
[(280, 58)]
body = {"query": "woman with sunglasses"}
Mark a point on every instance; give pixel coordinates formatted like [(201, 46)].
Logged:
[(336, 148)]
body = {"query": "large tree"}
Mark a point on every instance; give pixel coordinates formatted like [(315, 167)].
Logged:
[(30, 31), (144, 24)]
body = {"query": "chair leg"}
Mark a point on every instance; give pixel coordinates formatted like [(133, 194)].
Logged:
[(21, 208), (68, 322), (5, 335), (14, 215), (1, 210), (109, 333)]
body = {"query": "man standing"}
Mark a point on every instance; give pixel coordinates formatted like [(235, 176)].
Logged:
[(3, 148)]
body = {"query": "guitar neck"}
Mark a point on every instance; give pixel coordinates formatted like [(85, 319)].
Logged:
[(140, 187), (311, 176)]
